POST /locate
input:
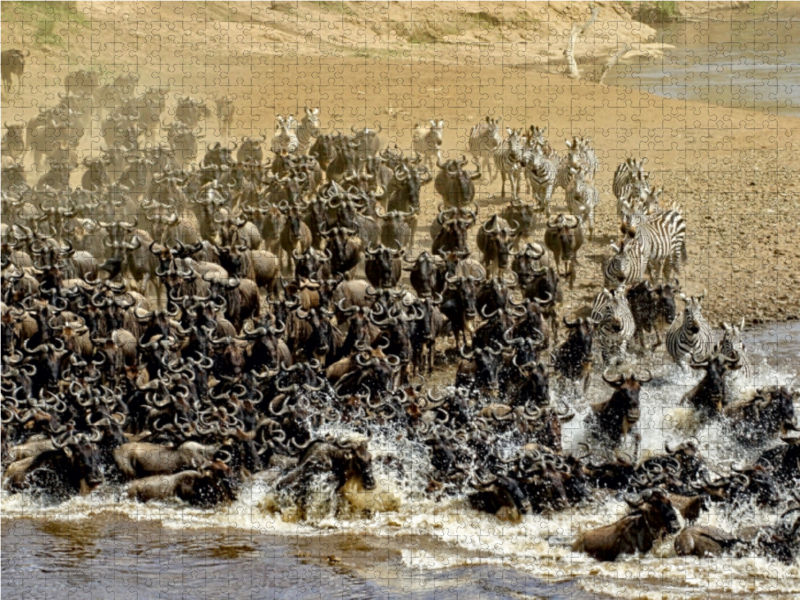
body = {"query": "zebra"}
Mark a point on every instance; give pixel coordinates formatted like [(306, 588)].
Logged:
[(689, 335), (626, 265), (285, 140), (540, 176), (662, 237), (615, 325), (427, 140), (225, 112), (732, 341), (507, 159), (582, 196), (308, 130), (580, 154), (631, 185), (484, 139)]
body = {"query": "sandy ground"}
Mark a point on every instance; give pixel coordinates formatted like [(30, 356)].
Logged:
[(732, 172)]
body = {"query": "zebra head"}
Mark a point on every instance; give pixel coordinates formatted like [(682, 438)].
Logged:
[(311, 122), (618, 269), (732, 338), (692, 313)]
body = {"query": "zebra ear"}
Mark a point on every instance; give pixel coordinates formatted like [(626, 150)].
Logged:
[(682, 296), (742, 325), (569, 144)]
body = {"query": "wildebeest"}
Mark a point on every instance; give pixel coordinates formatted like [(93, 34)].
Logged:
[(13, 63), (711, 394), (343, 459), (573, 359), (653, 516), (653, 308), (615, 418), (207, 486), (13, 143), (139, 459), (71, 467), (564, 238), (495, 240), (703, 541), (766, 416), (453, 183)]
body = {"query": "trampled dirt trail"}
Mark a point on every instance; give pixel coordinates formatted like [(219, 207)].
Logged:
[(733, 171)]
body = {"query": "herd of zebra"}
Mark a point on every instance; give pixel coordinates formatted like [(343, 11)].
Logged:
[(653, 239)]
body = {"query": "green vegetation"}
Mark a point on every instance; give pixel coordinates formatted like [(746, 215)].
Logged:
[(658, 12), (53, 20)]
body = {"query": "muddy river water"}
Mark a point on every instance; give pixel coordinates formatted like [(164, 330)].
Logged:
[(748, 64)]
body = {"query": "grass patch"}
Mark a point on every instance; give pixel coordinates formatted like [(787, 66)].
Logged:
[(421, 35), (658, 12), (54, 21), (485, 17)]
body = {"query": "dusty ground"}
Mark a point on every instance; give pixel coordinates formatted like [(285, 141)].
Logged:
[(733, 172)]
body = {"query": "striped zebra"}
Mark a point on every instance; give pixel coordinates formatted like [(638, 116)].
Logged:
[(308, 130), (540, 175), (582, 196), (626, 266), (631, 185), (662, 237), (484, 139), (615, 325), (689, 336), (732, 342), (507, 161), (285, 140), (427, 140), (580, 153)]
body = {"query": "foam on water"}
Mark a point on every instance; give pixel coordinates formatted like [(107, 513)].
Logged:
[(539, 544)]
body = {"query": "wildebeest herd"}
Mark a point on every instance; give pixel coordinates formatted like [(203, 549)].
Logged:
[(175, 328)]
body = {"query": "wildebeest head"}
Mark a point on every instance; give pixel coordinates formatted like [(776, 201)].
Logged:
[(657, 511), (83, 459), (710, 395), (455, 182), (621, 412), (462, 296), (487, 365), (562, 230)]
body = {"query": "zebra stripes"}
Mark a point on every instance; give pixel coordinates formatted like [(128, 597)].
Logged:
[(285, 140), (540, 175), (507, 161), (580, 154), (484, 139), (631, 186), (308, 130), (732, 342), (582, 196), (615, 325), (626, 265), (689, 336), (427, 140), (662, 237)]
